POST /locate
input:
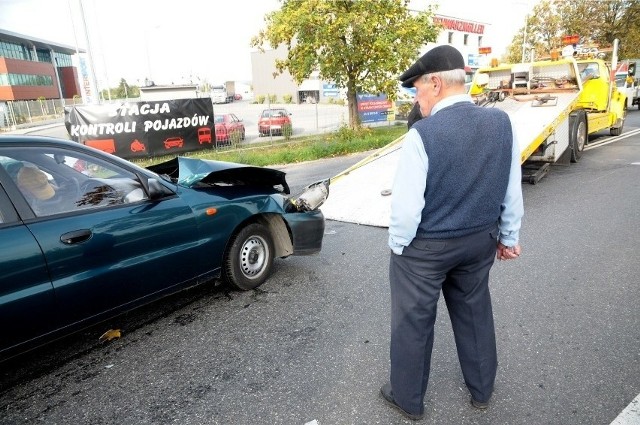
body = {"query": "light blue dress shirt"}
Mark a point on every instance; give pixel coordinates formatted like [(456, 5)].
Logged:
[(410, 181)]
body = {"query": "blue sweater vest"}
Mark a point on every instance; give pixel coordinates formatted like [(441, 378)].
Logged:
[(469, 151)]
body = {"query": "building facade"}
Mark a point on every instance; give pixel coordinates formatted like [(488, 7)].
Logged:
[(465, 35), (32, 68)]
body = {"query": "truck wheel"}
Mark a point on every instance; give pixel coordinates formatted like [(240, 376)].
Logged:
[(577, 135), (249, 258), (616, 131)]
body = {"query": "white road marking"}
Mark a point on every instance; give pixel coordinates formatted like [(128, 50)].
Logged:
[(610, 140)]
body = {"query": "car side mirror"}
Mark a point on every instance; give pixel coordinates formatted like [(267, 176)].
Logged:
[(157, 190)]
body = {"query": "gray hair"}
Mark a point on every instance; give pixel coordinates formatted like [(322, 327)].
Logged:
[(453, 77)]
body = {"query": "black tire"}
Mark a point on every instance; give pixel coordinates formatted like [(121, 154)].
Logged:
[(578, 135), (616, 131), (249, 257)]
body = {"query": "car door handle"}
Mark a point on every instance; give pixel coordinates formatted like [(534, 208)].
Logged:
[(76, 236)]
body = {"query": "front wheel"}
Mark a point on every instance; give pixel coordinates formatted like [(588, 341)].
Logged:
[(578, 135), (616, 131), (249, 258)]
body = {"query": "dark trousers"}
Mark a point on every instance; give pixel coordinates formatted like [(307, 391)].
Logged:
[(460, 268)]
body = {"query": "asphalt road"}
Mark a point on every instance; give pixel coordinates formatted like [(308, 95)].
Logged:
[(312, 342)]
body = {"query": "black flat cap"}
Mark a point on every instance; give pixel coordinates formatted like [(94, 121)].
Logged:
[(441, 58)]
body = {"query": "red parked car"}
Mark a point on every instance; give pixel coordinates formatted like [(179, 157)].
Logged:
[(275, 121), (228, 128)]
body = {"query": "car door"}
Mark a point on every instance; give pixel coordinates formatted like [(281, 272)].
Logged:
[(109, 245), (26, 294)]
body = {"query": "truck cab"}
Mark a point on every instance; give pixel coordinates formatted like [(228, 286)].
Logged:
[(595, 84), (600, 97)]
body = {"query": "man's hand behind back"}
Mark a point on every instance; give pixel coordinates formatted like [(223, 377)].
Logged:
[(507, 252)]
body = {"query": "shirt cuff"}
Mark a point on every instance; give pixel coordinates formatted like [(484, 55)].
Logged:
[(395, 247), (509, 239)]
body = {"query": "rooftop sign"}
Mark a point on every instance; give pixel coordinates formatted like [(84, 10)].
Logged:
[(459, 25)]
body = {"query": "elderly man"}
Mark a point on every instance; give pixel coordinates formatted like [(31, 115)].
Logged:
[(457, 205)]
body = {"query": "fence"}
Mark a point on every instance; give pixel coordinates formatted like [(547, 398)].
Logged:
[(27, 113), (20, 113), (324, 116)]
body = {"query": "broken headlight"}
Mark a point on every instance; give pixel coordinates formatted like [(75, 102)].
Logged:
[(311, 197)]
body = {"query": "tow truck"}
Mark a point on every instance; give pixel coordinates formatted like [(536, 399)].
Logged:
[(554, 105)]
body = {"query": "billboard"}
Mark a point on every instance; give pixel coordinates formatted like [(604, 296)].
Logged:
[(373, 108), (143, 129)]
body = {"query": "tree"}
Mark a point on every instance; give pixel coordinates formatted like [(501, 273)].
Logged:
[(360, 45), (123, 90), (595, 22)]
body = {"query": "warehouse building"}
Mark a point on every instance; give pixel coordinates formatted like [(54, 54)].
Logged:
[(31, 68)]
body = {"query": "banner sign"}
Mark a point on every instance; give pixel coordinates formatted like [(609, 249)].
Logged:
[(143, 129), (373, 108), (459, 25)]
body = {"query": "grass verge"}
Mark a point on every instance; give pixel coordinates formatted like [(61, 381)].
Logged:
[(308, 148)]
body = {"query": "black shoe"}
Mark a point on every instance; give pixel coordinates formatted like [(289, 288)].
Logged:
[(387, 396), (479, 405)]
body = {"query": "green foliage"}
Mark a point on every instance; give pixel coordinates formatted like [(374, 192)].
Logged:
[(235, 138), (404, 109), (273, 98), (347, 134), (260, 99), (287, 98), (595, 22), (287, 131), (361, 45)]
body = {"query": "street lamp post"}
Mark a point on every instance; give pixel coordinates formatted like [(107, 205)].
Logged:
[(149, 79), (524, 37), (91, 64)]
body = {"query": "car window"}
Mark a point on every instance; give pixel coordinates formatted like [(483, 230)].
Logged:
[(57, 181), (589, 70)]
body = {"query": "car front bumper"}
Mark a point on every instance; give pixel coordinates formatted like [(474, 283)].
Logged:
[(307, 231)]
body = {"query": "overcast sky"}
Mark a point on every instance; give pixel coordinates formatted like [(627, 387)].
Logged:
[(184, 40)]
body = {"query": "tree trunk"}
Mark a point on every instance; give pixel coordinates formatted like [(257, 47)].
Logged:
[(352, 104)]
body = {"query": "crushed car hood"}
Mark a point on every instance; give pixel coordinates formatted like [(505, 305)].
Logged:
[(191, 172)]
